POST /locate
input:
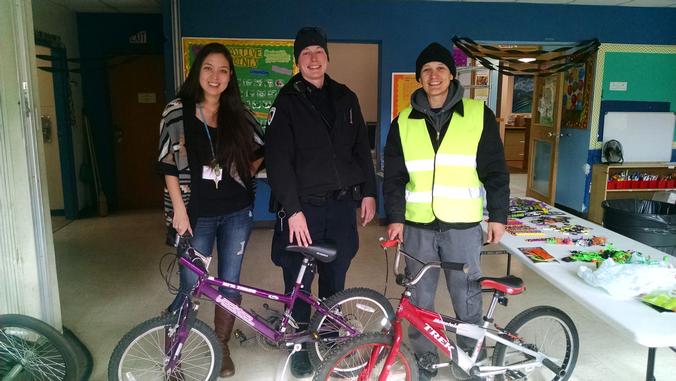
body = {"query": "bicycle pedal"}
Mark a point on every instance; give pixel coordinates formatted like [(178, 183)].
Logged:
[(515, 375), (240, 336)]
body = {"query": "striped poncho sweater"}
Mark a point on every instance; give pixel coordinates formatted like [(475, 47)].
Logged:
[(173, 153)]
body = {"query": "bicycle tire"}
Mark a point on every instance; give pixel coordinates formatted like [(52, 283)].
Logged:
[(347, 360), (559, 330), (31, 349), (363, 309), (148, 339), (85, 361)]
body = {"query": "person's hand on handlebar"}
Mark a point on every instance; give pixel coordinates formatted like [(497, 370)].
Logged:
[(181, 222), (395, 231)]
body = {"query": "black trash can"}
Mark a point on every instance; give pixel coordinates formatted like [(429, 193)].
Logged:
[(650, 222)]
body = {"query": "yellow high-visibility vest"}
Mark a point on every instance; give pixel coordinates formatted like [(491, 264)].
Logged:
[(444, 184)]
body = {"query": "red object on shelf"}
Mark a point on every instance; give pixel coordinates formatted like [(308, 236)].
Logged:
[(612, 184), (635, 184), (671, 183), (662, 183), (653, 184), (644, 184)]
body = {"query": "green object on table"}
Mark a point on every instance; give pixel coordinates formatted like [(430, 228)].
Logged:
[(666, 300)]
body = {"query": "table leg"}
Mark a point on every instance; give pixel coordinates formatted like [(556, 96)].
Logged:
[(650, 370)]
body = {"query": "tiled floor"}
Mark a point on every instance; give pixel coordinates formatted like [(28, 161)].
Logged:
[(109, 282)]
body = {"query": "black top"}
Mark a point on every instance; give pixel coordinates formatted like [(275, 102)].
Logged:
[(206, 200), (490, 166), (316, 141)]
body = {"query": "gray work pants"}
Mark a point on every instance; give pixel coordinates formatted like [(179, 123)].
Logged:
[(454, 245)]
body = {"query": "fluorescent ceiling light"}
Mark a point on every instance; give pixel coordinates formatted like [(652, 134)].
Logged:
[(527, 59)]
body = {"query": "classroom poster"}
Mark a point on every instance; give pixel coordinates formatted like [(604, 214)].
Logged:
[(262, 67), (403, 85)]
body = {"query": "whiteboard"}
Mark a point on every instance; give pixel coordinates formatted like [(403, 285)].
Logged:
[(645, 136)]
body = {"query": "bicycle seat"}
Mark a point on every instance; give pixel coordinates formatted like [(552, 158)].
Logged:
[(510, 284), (324, 252)]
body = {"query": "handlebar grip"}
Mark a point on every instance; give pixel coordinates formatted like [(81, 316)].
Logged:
[(455, 266), (388, 243)]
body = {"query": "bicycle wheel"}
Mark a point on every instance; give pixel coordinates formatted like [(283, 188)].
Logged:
[(141, 354), (362, 308), (544, 329), (349, 360), (31, 349)]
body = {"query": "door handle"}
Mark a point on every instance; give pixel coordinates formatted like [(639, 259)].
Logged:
[(551, 134)]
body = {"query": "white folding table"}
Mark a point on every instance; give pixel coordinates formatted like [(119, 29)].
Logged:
[(640, 322)]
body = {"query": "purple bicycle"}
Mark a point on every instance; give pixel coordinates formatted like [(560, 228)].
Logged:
[(178, 346)]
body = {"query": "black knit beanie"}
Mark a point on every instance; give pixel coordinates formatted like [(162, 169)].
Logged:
[(434, 52), (309, 36)]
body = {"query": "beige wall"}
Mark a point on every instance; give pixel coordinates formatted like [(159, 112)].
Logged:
[(356, 65), (51, 145), (55, 19)]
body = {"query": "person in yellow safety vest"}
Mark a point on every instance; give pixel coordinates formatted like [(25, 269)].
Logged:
[(443, 158)]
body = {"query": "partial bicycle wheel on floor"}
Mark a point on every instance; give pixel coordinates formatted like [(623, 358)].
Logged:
[(542, 329), (32, 350), (363, 309), (363, 358), (142, 353)]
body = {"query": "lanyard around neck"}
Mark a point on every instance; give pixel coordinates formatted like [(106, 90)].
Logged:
[(206, 129)]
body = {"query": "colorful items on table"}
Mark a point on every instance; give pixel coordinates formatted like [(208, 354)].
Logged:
[(663, 299), (519, 208), (551, 220), (619, 256), (519, 229), (571, 229), (537, 254), (580, 241)]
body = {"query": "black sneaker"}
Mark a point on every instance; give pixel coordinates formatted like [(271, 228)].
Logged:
[(300, 365)]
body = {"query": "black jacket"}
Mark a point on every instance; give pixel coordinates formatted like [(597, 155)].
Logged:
[(305, 155), (490, 166)]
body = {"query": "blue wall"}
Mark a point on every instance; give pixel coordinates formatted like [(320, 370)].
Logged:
[(571, 172), (102, 36), (403, 28)]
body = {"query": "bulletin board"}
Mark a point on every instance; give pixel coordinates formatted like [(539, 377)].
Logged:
[(403, 85), (262, 66)]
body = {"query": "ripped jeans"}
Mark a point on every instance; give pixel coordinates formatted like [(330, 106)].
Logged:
[(231, 233)]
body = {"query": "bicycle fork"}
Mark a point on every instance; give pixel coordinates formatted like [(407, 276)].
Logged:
[(177, 334)]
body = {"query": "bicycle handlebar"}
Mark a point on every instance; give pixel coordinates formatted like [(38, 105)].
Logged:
[(405, 281), (187, 251)]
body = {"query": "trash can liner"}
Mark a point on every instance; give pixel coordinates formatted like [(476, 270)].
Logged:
[(650, 222)]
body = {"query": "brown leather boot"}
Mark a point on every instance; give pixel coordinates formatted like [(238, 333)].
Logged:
[(223, 323)]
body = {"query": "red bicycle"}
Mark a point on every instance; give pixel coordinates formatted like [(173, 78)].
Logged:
[(540, 343)]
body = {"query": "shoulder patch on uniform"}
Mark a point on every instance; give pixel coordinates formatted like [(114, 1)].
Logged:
[(271, 114)]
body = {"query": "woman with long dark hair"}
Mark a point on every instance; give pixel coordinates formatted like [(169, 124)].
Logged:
[(210, 149)]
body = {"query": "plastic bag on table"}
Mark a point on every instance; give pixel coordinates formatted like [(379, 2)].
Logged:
[(629, 280)]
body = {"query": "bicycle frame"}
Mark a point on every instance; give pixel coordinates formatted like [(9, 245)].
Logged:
[(207, 286), (434, 326)]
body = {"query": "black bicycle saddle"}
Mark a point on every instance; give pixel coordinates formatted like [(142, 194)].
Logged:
[(324, 252)]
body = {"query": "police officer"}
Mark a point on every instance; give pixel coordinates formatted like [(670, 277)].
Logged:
[(440, 151), (320, 169)]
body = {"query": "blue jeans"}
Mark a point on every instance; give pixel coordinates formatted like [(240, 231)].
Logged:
[(231, 233)]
